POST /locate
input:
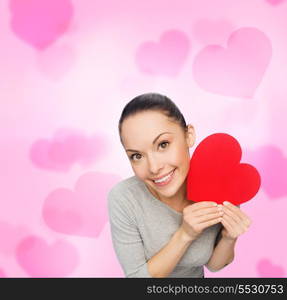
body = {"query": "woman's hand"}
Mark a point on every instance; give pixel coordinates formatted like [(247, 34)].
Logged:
[(198, 216), (234, 220)]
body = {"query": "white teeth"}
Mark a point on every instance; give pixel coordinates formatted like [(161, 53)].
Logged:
[(164, 178)]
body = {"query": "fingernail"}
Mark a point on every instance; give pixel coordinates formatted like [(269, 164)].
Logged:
[(225, 202), (215, 204)]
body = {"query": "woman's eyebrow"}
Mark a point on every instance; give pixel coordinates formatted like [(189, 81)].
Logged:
[(152, 142)]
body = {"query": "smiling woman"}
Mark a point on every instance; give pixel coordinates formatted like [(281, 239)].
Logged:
[(156, 230)]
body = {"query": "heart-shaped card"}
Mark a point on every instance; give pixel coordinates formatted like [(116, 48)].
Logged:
[(216, 174)]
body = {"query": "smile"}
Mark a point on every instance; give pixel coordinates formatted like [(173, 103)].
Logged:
[(165, 180)]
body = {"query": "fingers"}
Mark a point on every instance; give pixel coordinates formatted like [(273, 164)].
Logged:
[(231, 214), (226, 225), (236, 213), (209, 223), (199, 205), (208, 217), (206, 211), (234, 209), (233, 226), (203, 213)]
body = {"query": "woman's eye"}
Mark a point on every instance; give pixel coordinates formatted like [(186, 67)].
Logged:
[(132, 156), (164, 143), (139, 155)]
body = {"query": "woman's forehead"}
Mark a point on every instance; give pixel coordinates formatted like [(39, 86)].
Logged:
[(144, 128), (147, 118)]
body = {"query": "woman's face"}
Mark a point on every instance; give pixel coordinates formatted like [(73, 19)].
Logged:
[(157, 146)]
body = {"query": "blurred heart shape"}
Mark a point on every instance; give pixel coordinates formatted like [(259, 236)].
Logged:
[(212, 31), (10, 235), (66, 148), (40, 259), (82, 211), (236, 70), (271, 162), (165, 57), (275, 2), (266, 268), (2, 274), (216, 174), (40, 23)]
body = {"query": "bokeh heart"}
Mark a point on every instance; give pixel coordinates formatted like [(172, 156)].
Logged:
[(165, 57), (266, 268), (82, 211), (236, 70), (271, 162), (211, 31), (275, 2), (40, 259), (2, 274), (66, 148), (11, 234), (40, 23), (216, 174)]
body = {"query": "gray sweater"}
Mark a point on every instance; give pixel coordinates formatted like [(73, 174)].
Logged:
[(141, 225)]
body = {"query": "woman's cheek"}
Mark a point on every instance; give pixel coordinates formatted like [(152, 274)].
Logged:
[(183, 158), (140, 171), (178, 155)]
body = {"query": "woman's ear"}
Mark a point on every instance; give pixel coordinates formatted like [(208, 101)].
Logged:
[(190, 135)]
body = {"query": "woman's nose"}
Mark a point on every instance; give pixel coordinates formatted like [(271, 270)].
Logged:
[(155, 166)]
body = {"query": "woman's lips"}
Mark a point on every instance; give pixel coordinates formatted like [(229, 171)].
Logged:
[(165, 182)]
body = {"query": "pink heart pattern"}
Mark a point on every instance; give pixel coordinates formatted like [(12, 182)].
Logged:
[(2, 274), (67, 148), (40, 23), (165, 57), (10, 235), (272, 165), (266, 268), (275, 2), (212, 31), (39, 259), (82, 212), (236, 70)]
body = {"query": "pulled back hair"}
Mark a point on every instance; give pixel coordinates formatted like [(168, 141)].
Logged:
[(153, 102)]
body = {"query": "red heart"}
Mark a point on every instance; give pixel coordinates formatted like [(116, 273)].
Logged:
[(216, 174)]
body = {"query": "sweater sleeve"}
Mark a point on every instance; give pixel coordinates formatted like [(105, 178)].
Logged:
[(127, 242)]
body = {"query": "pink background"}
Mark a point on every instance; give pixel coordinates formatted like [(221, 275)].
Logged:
[(68, 67)]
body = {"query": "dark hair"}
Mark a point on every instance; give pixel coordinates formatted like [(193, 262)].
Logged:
[(154, 102)]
